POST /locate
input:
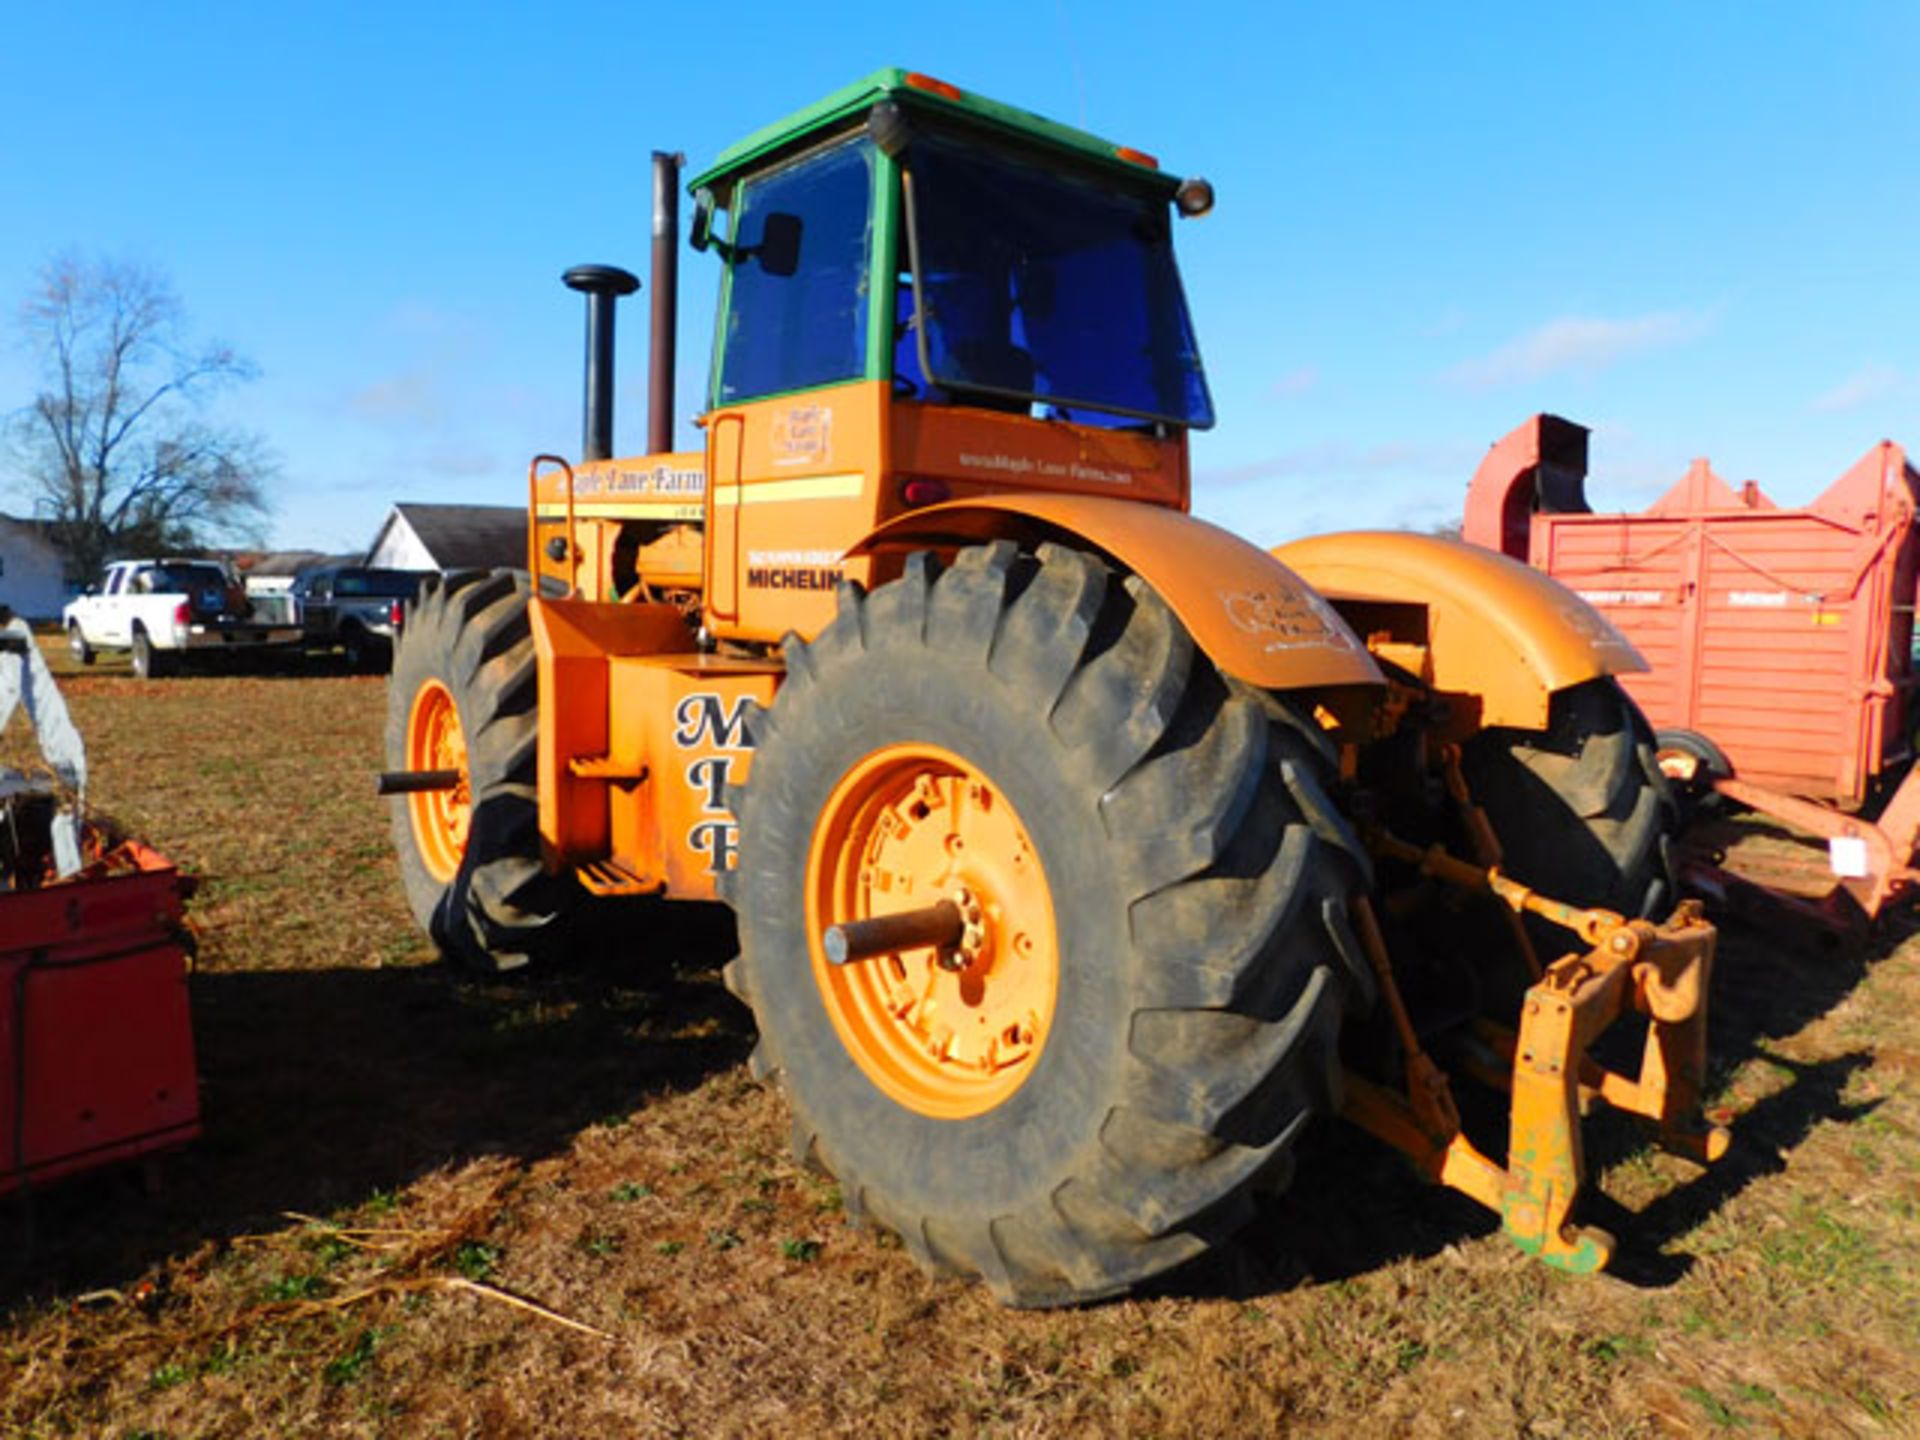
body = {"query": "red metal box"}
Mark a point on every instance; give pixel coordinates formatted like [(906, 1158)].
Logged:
[(96, 1044), (1782, 635)]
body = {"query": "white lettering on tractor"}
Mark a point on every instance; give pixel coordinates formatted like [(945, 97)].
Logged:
[(1046, 469)]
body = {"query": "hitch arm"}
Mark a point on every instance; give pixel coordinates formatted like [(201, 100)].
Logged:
[(1660, 971)]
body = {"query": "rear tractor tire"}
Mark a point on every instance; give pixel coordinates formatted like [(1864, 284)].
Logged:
[(1581, 809), (464, 696), (1141, 1009)]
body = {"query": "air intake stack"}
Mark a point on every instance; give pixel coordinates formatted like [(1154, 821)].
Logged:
[(602, 285)]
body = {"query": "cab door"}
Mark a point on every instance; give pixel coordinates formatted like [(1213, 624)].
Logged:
[(111, 617), (797, 413)]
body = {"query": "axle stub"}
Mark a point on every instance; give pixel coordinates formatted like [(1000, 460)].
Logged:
[(414, 782), (940, 924)]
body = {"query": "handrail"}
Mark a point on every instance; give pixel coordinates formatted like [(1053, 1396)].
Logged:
[(533, 524)]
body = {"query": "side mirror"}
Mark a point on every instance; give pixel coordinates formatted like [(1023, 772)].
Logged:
[(779, 247), (700, 233)]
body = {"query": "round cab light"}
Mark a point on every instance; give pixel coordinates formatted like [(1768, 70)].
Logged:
[(1194, 198)]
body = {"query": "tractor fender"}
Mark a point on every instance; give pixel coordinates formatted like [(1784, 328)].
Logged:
[(1252, 616), (1495, 628)]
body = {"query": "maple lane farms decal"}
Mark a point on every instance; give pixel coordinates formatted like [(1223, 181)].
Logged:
[(793, 569), (656, 482)]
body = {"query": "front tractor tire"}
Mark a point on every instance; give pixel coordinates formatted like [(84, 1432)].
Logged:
[(1142, 1008), (1581, 810), (463, 697)]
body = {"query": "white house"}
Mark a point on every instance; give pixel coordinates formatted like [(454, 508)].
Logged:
[(274, 572), (33, 578), (450, 537)]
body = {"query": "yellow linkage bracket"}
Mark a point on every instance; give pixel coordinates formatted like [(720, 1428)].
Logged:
[(1660, 971)]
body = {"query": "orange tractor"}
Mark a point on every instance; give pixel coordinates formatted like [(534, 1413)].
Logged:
[(1081, 852)]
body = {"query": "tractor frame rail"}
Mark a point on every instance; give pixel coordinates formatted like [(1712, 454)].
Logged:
[(1631, 966)]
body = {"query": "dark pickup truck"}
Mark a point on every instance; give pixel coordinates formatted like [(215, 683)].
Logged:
[(355, 608)]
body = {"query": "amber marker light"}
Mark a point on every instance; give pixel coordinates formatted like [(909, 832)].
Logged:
[(1136, 157), (934, 87)]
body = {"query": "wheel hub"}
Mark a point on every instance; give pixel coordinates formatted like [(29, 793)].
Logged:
[(441, 818), (973, 932), (947, 1030)]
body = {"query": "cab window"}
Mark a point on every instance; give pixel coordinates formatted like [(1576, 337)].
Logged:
[(797, 285)]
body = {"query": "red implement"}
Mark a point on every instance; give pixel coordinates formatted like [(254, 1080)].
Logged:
[(96, 1048), (1780, 640)]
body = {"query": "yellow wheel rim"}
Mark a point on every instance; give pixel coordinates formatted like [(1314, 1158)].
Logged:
[(948, 1034), (440, 818)]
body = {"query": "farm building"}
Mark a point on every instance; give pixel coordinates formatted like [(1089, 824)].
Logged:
[(274, 571), (33, 580), (450, 537)]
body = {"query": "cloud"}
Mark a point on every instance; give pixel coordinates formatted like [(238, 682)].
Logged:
[(1297, 381), (411, 397), (1339, 457), (435, 354), (1864, 386), (422, 322), (462, 462), (1587, 344)]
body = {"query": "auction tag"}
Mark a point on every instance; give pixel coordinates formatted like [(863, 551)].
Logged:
[(1847, 857)]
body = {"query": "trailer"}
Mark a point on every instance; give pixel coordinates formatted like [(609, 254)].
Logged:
[(1780, 639)]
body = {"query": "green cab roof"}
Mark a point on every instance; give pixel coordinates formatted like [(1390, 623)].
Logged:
[(917, 90)]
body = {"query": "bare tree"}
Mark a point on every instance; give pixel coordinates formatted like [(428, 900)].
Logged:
[(116, 449)]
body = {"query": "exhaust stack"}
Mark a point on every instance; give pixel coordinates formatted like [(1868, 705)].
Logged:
[(602, 285), (666, 300)]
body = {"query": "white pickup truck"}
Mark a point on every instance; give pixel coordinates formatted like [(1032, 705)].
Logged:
[(168, 611)]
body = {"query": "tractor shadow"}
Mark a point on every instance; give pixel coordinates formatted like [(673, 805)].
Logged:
[(1356, 1206), (321, 1087)]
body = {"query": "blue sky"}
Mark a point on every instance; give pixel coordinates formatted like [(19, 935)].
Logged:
[(1694, 227)]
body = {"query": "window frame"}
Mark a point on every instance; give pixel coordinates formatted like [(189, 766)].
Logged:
[(1023, 155), (883, 251)]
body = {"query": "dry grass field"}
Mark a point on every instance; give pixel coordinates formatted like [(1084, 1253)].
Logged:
[(393, 1158)]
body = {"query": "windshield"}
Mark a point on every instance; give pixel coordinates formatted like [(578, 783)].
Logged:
[(1049, 287), (381, 584), (185, 577)]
